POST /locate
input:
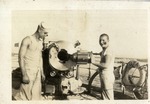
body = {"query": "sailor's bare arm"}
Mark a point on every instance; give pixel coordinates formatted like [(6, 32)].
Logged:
[(105, 65), (41, 69), (23, 48)]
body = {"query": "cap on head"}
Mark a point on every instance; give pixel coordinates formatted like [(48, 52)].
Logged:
[(40, 26)]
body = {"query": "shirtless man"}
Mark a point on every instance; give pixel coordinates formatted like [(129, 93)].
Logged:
[(106, 68), (30, 61)]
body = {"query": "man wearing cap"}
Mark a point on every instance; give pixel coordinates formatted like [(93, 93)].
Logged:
[(106, 68), (30, 61)]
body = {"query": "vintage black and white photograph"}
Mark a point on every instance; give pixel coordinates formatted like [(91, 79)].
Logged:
[(79, 55)]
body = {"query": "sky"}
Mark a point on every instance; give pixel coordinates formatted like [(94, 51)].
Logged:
[(128, 29)]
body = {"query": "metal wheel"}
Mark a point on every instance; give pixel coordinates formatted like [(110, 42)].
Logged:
[(94, 86)]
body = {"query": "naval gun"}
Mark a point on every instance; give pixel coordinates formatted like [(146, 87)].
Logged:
[(61, 61)]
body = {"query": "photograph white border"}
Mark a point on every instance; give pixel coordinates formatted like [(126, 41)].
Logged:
[(6, 8)]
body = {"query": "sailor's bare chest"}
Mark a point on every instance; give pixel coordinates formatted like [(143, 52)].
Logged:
[(35, 46)]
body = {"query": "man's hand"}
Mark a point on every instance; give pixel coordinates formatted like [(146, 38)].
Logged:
[(25, 79), (43, 77)]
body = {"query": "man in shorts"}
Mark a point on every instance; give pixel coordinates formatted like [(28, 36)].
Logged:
[(105, 68)]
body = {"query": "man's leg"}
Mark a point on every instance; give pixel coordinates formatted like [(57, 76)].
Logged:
[(107, 88), (36, 87), (108, 94)]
